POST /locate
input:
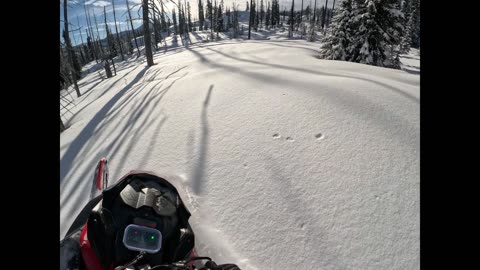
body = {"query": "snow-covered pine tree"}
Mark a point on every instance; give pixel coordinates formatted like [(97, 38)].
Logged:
[(407, 21), (338, 38), (415, 25), (378, 33)]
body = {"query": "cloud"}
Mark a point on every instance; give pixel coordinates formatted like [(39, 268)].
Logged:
[(97, 3), (101, 3), (113, 23)]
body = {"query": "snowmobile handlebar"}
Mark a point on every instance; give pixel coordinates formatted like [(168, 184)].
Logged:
[(183, 265)]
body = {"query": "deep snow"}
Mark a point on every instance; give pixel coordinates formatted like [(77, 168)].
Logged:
[(290, 161)]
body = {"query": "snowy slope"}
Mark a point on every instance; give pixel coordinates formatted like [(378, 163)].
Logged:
[(290, 162)]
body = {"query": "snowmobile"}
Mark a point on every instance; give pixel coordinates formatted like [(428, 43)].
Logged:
[(140, 222)]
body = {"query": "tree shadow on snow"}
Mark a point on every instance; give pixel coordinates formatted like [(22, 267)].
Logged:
[(197, 173)]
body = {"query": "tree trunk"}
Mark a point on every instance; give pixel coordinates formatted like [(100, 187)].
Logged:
[(90, 33), (133, 29), (69, 47), (250, 20), (146, 34), (108, 70), (116, 29), (301, 19), (98, 37), (324, 15)]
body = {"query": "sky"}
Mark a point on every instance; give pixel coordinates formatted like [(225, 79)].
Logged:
[(78, 25)]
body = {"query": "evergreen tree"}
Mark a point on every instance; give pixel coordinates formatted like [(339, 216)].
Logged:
[(262, 12), (181, 26), (415, 24), (267, 16), (220, 17), (248, 8), (174, 18), (229, 21), (307, 12), (163, 22), (210, 13), (190, 24), (378, 33), (339, 35), (407, 23), (201, 18), (235, 25)]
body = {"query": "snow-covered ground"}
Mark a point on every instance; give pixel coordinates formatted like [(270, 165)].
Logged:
[(290, 161), (411, 61)]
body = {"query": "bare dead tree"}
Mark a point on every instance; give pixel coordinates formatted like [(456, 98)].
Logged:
[(69, 47), (133, 29), (116, 29), (146, 34), (90, 33), (102, 52)]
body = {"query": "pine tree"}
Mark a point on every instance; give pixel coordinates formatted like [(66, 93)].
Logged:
[(180, 20), (229, 21), (267, 16), (277, 13), (235, 26), (190, 24), (163, 22), (248, 8), (415, 24), (338, 39), (201, 18), (210, 16), (307, 12), (262, 12), (174, 18), (378, 33), (407, 23), (220, 17)]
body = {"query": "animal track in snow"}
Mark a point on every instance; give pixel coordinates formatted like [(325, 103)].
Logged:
[(319, 136), (276, 136), (290, 139)]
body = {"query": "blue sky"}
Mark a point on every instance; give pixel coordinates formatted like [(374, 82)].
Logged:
[(77, 20)]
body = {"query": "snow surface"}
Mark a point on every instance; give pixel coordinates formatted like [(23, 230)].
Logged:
[(411, 61), (288, 161)]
